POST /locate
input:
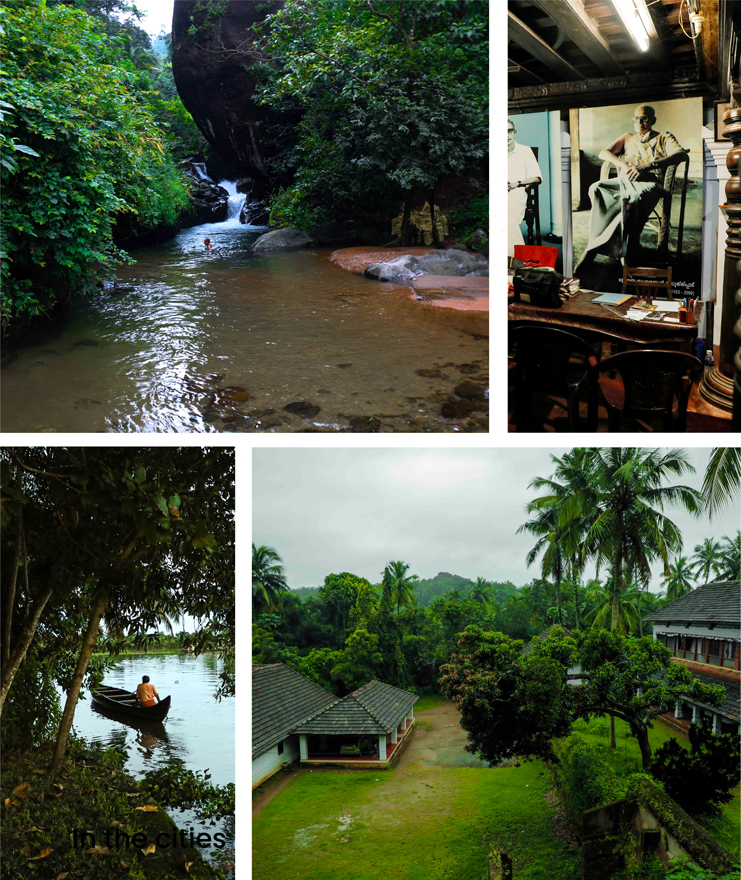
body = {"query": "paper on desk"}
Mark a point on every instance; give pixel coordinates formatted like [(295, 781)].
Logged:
[(636, 314), (667, 305)]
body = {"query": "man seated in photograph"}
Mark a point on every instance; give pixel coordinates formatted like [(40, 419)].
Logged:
[(522, 171), (622, 205)]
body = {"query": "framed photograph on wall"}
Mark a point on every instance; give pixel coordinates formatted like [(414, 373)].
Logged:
[(720, 109)]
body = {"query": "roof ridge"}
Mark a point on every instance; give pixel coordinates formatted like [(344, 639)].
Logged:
[(392, 686), (369, 711), (317, 714)]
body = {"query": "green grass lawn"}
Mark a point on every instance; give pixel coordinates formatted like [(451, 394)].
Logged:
[(626, 758), (419, 821)]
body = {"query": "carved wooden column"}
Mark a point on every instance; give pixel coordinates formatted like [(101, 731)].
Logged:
[(717, 386)]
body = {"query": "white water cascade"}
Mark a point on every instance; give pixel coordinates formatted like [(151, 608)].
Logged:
[(236, 200)]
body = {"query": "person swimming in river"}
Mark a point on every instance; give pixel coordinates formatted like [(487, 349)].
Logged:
[(207, 242), (146, 693)]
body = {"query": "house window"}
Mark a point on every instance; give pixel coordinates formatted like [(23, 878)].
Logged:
[(280, 748)]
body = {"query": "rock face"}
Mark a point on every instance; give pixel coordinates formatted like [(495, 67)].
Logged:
[(401, 269), (209, 202), (282, 239), (216, 84)]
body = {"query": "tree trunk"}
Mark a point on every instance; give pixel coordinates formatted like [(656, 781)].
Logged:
[(433, 221), (576, 605), (10, 593), (405, 220), (617, 574), (13, 663), (558, 601), (613, 744), (644, 745), (97, 610)]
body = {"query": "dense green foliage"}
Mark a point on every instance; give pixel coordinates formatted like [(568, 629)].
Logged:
[(704, 777), (87, 130), (176, 786), (514, 703), (110, 541), (394, 99)]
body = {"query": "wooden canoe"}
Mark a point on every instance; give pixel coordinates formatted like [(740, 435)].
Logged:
[(116, 700)]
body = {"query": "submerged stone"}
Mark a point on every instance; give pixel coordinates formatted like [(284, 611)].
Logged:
[(303, 408)]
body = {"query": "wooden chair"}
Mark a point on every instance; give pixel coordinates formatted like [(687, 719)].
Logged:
[(532, 209), (661, 216), (648, 281), (554, 362), (650, 385)]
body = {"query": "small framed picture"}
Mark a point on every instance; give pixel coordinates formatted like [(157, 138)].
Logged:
[(720, 109)]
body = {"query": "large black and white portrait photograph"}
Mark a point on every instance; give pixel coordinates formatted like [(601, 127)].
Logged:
[(637, 198)]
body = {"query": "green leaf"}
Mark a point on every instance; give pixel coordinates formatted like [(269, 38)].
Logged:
[(160, 502)]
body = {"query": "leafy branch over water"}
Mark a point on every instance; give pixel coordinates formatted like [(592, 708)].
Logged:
[(177, 786)]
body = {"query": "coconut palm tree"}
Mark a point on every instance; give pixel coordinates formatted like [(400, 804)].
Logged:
[(268, 580), (722, 478), (603, 601), (402, 584), (481, 592), (730, 564), (677, 580), (707, 558), (558, 539)]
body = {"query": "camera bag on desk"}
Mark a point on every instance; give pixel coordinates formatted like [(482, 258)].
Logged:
[(538, 287)]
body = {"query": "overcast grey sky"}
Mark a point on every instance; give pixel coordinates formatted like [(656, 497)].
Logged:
[(333, 510)]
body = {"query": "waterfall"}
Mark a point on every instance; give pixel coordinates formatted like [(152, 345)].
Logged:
[(200, 169), (236, 200)]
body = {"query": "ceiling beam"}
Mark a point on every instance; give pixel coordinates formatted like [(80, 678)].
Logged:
[(521, 34), (572, 18), (515, 69)]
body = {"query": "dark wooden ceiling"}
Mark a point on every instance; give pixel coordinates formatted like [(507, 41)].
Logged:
[(559, 48)]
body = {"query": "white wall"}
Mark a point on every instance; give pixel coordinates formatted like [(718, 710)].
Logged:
[(269, 762)]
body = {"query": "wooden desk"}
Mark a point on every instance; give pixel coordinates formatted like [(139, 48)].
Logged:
[(585, 318)]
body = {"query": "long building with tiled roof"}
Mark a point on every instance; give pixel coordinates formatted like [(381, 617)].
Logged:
[(703, 631), (281, 698)]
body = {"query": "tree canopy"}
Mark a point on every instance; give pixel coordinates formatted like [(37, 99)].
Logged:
[(514, 703)]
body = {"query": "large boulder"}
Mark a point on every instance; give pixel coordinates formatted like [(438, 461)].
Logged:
[(209, 202), (212, 66), (282, 239), (401, 269), (452, 262)]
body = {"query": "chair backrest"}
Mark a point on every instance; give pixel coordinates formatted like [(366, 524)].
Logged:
[(547, 353), (536, 255), (652, 379), (648, 281)]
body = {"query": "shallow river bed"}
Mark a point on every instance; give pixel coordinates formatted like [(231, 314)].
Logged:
[(225, 341)]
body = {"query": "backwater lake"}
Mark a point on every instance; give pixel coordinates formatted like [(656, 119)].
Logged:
[(198, 733), (223, 341)]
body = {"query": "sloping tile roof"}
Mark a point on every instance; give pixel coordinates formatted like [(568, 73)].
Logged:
[(526, 649), (281, 698), (729, 678), (718, 603), (376, 708)]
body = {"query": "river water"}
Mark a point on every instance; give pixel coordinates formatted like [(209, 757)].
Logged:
[(198, 732), (224, 340)]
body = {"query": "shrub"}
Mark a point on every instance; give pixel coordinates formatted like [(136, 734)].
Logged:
[(586, 779), (704, 777)]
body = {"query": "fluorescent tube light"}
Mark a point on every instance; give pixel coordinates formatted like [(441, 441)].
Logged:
[(636, 18)]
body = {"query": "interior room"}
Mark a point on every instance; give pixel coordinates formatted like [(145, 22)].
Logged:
[(624, 208)]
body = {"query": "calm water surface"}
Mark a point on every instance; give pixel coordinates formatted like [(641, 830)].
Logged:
[(198, 732), (223, 341)]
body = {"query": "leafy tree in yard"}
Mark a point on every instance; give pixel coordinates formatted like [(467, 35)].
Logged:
[(268, 580), (91, 149), (481, 592), (395, 97), (340, 592), (603, 601), (513, 704), (703, 777)]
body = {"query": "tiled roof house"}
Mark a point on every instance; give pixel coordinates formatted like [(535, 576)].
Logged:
[(281, 698), (703, 632)]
